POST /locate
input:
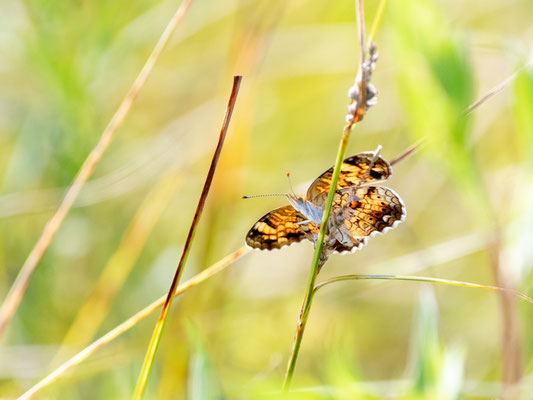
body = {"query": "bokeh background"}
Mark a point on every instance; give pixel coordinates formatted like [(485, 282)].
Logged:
[(64, 68)]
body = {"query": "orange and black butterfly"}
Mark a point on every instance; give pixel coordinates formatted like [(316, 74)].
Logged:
[(360, 209)]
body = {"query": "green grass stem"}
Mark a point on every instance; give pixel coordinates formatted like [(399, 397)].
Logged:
[(421, 279), (318, 257)]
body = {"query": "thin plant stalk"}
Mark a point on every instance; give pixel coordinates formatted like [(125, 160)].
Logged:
[(496, 89), (377, 20), (18, 288), (131, 322), (407, 153), (318, 257), (160, 324), (421, 279)]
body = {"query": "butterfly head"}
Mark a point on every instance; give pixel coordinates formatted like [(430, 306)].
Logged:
[(310, 211)]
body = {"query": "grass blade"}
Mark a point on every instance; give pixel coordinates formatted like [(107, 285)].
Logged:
[(422, 279)]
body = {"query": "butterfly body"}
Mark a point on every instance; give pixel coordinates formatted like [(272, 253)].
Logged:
[(310, 211), (360, 209)]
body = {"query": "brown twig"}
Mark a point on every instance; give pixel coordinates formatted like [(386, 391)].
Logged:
[(154, 342), (361, 25), (495, 90), (18, 288), (411, 150)]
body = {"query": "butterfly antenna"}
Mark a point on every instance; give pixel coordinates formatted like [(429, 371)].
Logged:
[(290, 183), (264, 195)]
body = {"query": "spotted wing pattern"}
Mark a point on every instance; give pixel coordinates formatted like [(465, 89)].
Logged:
[(343, 248), (373, 209), (279, 228), (359, 210), (352, 170)]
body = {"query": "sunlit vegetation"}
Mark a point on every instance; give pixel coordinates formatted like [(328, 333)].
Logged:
[(65, 68)]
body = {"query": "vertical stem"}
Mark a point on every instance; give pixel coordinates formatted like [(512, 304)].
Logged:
[(318, 257), (300, 327)]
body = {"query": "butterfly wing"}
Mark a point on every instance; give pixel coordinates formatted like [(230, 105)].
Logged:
[(375, 210), (357, 214), (352, 170), (345, 247), (279, 228)]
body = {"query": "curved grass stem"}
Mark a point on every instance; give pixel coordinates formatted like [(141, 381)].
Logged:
[(420, 279)]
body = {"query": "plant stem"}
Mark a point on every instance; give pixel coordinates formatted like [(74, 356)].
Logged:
[(160, 324), (377, 20), (319, 258), (421, 279), (302, 321)]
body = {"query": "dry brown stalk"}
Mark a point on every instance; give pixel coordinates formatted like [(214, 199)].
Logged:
[(160, 324)]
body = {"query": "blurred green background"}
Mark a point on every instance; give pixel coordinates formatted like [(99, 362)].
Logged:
[(64, 68)]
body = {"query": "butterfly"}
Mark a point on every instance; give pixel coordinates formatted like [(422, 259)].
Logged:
[(360, 209)]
